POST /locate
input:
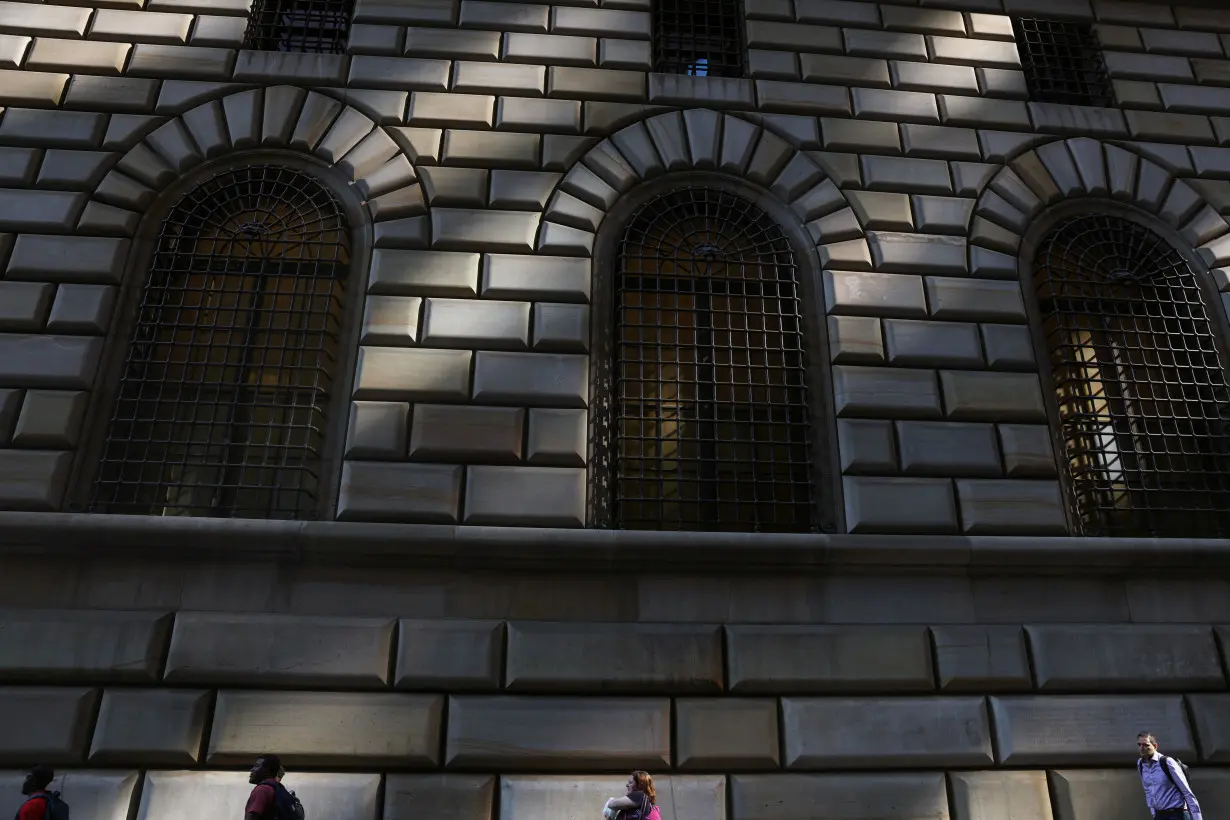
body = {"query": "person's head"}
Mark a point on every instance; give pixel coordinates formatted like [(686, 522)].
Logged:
[(38, 779), (265, 768), (640, 781), (281, 773), (1147, 744)]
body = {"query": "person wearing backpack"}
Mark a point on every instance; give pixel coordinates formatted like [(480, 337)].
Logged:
[(270, 800), (41, 804), (1167, 792), (640, 803)]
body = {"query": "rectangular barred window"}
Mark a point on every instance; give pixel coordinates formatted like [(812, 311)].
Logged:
[(702, 38), (1062, 62), (313, 26)]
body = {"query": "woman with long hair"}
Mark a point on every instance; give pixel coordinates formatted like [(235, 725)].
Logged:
[(640, 803)]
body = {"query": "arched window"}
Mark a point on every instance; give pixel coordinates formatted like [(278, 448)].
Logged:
[(221, 410), (710, 410), (1140, 387)]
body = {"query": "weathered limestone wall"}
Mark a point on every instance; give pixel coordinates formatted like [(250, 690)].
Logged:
[(481, 696), (484, 142)]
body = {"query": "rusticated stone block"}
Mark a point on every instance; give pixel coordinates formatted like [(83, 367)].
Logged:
[(892, 504), (452, 796), (800, 658), (393, 373), (557, 437), (24, 305), (700, 797), (221, 648), (945, 448), (445, 432), (32, 479), (86, 259), (438, 654), (1125, 657), (1082, 729), (981, 396), (82, 645), (558, 734), (567, 657), (891, 392), (897, 796), (525, 496), (377, 428), (1094, 793), (1000, 796), (981, 658), (429, 273), (323, 728), (150, 727), (1010, 507), (1211, 714), (66, 362), (50, 419), (93, 794), (203, 795), (726, 733), (866, 446), (531, 378), (45, 724), (376, 491), (863, 733)]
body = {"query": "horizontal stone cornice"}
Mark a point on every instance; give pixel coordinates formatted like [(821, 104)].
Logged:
[(74, 535)]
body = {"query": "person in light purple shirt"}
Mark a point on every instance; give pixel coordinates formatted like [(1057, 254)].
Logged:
[(1166, 789)]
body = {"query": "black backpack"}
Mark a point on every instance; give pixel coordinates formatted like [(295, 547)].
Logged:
[(286, 805), (1161, 759), (57, 809)]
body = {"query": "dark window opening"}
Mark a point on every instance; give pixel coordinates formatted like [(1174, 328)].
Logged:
[(315, 26), (1142, 399), (710, 410), (221, 407), (1062, 62), (702, 38)]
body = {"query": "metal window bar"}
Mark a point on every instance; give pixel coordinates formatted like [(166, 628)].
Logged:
[(1139, 383), (698, 37), (314, 26), (1062, 62), (221, 408), (710, 412)]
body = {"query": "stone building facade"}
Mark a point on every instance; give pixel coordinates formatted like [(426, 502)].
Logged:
[(819, 403)]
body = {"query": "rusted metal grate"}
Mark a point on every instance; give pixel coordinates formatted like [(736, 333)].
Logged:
[(710, 409), (315, 26), (1139, 383), (222, 406), (1062, 62), (698, 37)]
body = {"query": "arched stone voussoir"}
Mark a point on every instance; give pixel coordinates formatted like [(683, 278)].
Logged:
[(285, 117), (1085, 168), (698, 139)]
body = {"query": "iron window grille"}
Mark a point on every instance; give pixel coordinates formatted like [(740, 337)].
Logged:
[(698, 37), (222, 403), (315, 26), (1140, 387), (709, 414), (1062, 62)]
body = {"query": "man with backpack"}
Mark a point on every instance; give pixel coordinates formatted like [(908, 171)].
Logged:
[(269, 800), (1167, 793), (41, 804)]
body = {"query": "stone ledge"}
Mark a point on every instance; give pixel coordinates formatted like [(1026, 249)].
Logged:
[(70, 535)]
